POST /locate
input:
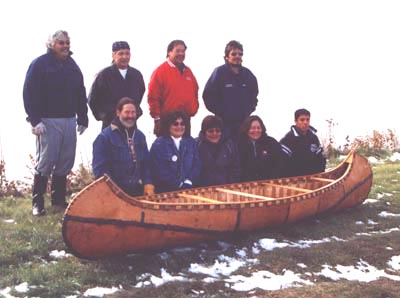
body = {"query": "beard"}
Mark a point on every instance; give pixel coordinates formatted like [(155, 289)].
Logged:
[(128, 122)]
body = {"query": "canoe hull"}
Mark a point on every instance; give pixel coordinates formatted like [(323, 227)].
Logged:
[(103, 221)]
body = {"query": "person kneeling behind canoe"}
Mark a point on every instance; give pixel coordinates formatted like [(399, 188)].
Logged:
[(120, 151)]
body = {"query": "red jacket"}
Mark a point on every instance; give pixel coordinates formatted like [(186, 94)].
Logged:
[(171, 90)]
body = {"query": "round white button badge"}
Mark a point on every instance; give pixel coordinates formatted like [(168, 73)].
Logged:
[(174, 158)]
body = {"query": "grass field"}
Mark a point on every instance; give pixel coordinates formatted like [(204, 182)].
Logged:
[(355, 253)]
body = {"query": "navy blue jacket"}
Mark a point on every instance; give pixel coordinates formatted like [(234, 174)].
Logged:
[(170, 167), (260, 160), (109, 87), (54, 88), (112, 156), (231, 96), (219, 162), (304, 153)]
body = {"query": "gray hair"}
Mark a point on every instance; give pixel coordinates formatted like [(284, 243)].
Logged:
[(52, 38)]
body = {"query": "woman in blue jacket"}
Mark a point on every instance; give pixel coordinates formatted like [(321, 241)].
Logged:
[(174, 157), (219, 155)]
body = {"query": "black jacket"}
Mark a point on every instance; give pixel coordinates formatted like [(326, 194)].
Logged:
[(109, 87), (219, 162), (304, 153), (262, 159)]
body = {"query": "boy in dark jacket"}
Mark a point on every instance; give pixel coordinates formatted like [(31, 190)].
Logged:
[(304, 153)]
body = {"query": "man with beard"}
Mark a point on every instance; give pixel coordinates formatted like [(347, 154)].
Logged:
[(120, 152), (55, 101), (231, 91), (173, 87), (114, 82)]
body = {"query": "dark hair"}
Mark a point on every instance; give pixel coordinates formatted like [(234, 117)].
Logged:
[(233, 44), (300, 112), (210, 121), (169, 118), (174, 43), (127, 100), (244, 128)]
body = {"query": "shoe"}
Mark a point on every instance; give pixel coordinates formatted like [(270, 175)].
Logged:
[(38, 210), (59, 207)]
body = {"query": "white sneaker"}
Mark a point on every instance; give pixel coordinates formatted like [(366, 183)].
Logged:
[(37, 211)]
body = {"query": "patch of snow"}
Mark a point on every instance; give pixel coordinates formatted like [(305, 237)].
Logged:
[(9, 221), (164, 256), (271, 244), (371, 222), (308, 243), (99, 291), (59, 254), (395, 157), (379, 232), (158, 281), (395, 262), (255, 250), (22, 287), (266, 281), (373, 159), (209, 279), (389, 248), (224, 245), (302, 265), (359, 222), (388, 214), (225, 266), (6, 293), (370, 201), (182, 249), (363, 272), (241, 252), (379, 196)]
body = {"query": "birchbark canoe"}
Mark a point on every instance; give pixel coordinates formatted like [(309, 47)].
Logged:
[(103, 221)]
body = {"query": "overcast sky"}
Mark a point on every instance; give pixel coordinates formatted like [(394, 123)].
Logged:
[(339, 59)]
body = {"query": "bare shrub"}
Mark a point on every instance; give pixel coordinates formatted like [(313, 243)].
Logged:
[(80, 178)]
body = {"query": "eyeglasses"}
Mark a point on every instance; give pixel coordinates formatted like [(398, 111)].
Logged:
[(62, 42), (178, 123), (234, 54), (214, 130)]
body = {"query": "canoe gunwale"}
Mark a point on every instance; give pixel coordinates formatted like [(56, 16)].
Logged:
[(145, 203)]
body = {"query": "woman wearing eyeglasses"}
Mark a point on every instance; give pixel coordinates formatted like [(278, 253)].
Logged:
[(231, 91), (261, 156), (219, 155), (175, 162)]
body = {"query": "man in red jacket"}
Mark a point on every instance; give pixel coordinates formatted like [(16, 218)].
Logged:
[(173, 86)]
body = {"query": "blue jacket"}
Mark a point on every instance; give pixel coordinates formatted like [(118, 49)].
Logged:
[(112, 156), (54, 88), (231, 96), (304, 153), (170, 167), (219, 162)]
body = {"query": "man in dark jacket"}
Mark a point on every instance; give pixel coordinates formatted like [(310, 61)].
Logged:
[(120, 151), (115, 82), (56, 104), (304, 153), (231, 91)]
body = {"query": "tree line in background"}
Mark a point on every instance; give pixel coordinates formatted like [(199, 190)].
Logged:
[(380, 145)]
